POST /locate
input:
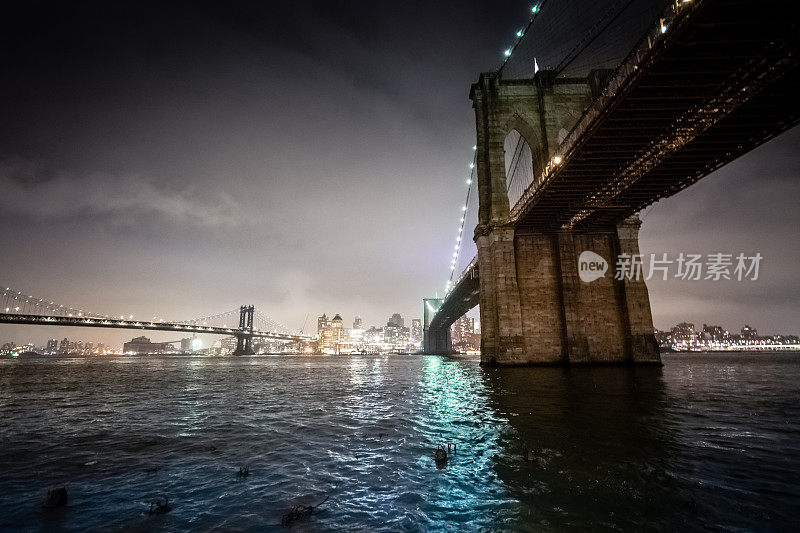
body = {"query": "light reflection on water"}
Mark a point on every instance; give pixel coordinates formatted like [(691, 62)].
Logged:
[(707, 442)]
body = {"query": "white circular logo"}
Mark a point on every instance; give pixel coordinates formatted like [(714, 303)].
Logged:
[(591, 266)]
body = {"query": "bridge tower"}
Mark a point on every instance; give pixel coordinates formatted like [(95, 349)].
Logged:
[(434, 340), (534, 308), (244, 337)]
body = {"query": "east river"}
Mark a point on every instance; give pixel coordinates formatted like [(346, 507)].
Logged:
[(707, 442)]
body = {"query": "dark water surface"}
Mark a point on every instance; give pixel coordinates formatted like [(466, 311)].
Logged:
[(708, 442)]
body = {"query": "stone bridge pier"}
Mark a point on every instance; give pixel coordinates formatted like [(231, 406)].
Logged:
[(534, 307)]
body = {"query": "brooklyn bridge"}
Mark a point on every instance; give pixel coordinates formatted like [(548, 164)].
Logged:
[(578, 133)]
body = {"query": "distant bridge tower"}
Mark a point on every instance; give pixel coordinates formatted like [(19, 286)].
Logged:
[(244, 337), (434, 340)]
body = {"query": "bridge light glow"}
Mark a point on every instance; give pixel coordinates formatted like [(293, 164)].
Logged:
[(557, 160), (469, 182), (520, 33), (474, 147), (535, 9), (507, 52), (464, 208)]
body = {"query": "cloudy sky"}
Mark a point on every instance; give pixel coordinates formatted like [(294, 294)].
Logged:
[(184, 158)]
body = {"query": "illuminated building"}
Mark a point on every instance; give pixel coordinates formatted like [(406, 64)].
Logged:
[(322, 324), (396, 336), (332, 335), (749, 333), (464, 336), (684, 332), (416, 330)]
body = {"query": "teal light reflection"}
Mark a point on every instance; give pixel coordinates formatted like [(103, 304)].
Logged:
[(454, 409)]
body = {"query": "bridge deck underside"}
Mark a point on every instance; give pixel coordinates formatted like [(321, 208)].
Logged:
[(463, 297), (721, 46)]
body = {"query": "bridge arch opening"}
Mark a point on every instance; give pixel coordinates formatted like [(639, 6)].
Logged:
[(522, 168)]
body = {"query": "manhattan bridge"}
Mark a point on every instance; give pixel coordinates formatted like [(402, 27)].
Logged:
[(244, 323)]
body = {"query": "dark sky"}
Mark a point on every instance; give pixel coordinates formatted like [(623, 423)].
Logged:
[(182, 158)]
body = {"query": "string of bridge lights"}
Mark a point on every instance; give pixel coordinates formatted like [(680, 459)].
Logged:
[(14, 301), (267, 319), (204, 320), (462, 222), (534, 12), (507, 53)]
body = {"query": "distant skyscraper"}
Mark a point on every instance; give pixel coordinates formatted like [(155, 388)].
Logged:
[(462, 330), (396, 320), (749, 333), (52, 346), (357, 324), (332, 334), (322, 324), (396, 336), (416, 329)]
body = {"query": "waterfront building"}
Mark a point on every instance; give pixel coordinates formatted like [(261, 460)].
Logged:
[(143, 345), (52, 347), (332, 335), (749, 333), (227, 345), (684, 332), (713, 333)]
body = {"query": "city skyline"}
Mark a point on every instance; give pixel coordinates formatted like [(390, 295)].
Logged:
[(466, 324), (170, 192)]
